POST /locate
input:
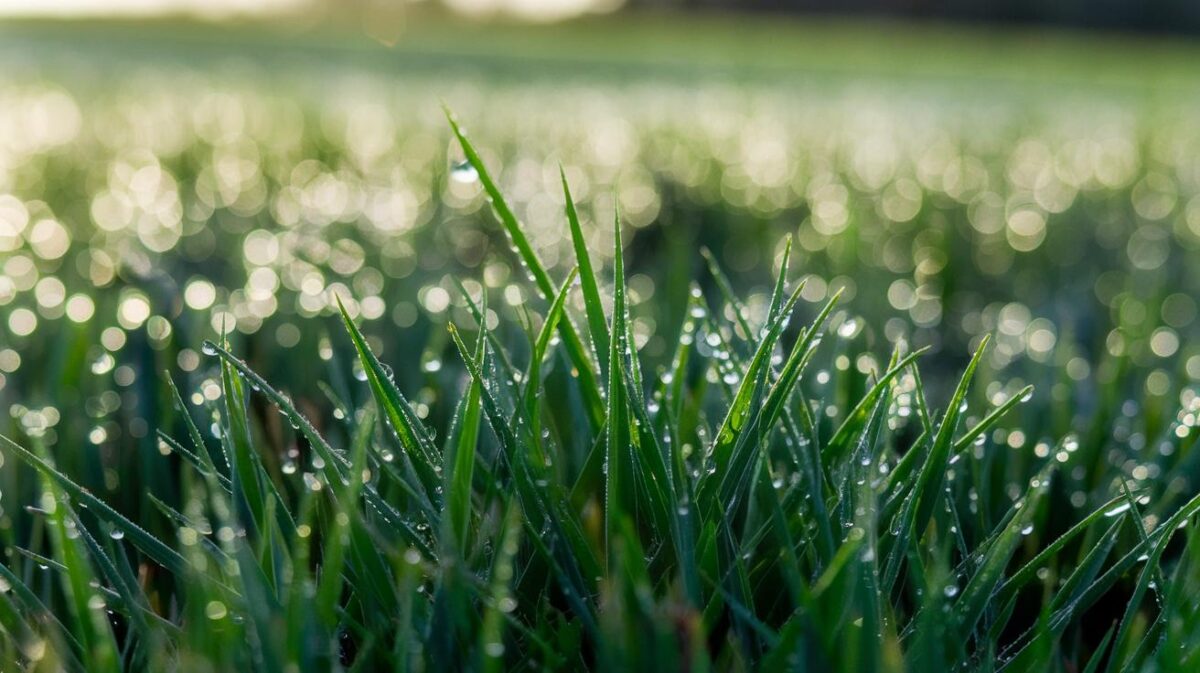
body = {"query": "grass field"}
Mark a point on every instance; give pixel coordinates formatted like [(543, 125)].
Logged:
[(850, 347)]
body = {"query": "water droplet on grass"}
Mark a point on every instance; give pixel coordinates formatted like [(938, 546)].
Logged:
[(464, 171), (1119, 509), (215, 610), (494, 649)]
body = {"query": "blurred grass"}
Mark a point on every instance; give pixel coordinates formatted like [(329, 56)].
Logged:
[(778, 50)]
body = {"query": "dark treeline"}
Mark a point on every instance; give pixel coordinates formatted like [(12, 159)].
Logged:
[(1171, 16)]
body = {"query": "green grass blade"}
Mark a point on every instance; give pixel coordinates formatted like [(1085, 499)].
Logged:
[(926, 489), (616, 425), (247, 487), (413, 437), (982, 585), (588, 385), (840, 441), (150, 545), (533, 377), (335, 465), (592, 304)]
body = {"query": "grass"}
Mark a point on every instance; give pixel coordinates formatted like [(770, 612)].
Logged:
[(748, 505), (772, 49), (1063, 217)]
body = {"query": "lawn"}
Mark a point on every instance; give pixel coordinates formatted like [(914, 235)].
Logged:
[(699, 345)]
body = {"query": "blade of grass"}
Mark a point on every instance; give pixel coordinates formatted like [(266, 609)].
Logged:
[(150, 545), (592, 305), (588, 385)]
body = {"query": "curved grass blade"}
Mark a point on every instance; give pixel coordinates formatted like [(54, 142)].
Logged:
[(151, 629), (927, 487), (766, 411), (1029, 571), (982, 585), (533, 377), (336, 466), (410, 431), (13, 624), (1158, 538), (201, 449), (748, 401), (963, 443), (840, 441), (247, 467), (569, 564), (150, 545), (32, 606), (201, 466), (588, 385), (793, 367), (85, 604)]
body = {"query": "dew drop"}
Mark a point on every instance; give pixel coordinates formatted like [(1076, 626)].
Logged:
[(1118, 510), (464, 172)]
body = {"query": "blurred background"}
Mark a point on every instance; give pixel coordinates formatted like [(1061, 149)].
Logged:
[(1127, 15), (174, 169)]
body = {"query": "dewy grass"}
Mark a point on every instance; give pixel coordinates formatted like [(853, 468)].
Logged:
[(726, 512)]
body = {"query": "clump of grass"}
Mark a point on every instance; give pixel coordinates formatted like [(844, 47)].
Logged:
[(578, 512)]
